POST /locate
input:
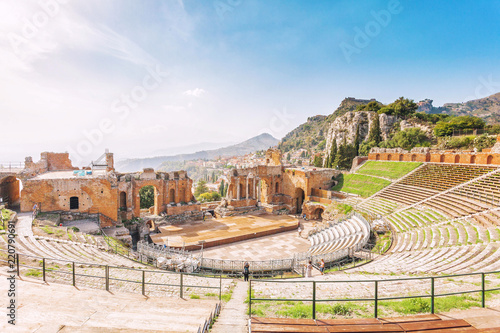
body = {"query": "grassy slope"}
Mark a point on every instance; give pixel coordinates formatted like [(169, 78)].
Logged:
[(360, 184), (392, 170)]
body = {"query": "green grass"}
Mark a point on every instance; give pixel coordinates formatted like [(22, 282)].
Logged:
[(391, 170), (33, 272), (6, 214), (421, 305), (361, 185), (194, 296)]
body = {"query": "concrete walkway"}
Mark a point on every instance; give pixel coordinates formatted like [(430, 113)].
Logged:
[(23, 225), (233, 317)]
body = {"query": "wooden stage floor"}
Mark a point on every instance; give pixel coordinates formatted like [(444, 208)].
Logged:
[(215, 232)]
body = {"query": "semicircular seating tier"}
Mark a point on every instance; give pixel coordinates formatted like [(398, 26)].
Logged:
[(352, 232)]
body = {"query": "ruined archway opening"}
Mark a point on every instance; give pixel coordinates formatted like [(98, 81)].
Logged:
[(147, 196), (10, 191), (299, 200), (123, 201), (318, 213)]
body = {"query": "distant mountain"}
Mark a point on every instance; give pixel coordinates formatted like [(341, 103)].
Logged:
[(260, 142), (487, 108)]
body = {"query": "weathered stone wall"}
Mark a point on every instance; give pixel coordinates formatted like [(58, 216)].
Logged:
[(94, 195), (112, 194), (435, 156)]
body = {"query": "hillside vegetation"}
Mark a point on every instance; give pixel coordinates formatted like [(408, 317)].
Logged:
[(362, 185), (392, 170)]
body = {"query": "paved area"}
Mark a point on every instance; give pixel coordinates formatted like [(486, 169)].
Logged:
[(279, 246), (23, 225), (60, 308), (86, 226), (219, 229), (233, 317), (479, 318)]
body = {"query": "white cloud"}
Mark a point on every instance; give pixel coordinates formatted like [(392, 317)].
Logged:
[(197, 92)]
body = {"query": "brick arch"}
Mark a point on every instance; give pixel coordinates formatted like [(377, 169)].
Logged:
[(457, 158), (489, 159), (389, 157), (401, 157), (413, 158), (10, 190), (442, 158), (473, 159), (377, 157)]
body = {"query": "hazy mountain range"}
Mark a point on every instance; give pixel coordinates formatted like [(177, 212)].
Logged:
[(260, 142)]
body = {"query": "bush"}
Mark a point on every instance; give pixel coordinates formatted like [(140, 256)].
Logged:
[(407, 139), (484, 141), (209, 197)]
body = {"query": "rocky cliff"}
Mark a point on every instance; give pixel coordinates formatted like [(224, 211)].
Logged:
[(345, 127)]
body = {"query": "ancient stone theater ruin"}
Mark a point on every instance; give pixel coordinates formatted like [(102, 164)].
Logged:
[(55, 185)]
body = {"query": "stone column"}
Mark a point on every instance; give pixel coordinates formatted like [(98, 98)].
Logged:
[(246, 188), (238, 189), (253, 188)]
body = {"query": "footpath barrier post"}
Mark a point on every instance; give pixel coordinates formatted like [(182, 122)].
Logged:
[(181, 283), (432, 295), (376, 299), (144, 283), (43, 268), (483, 287), (73, 271), (220, 287), (17, 264), (250, 298), (314, 301)]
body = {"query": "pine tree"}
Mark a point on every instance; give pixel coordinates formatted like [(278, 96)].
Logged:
[(375, 133)]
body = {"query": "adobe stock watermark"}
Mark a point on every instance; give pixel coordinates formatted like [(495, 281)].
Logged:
[(121, 109), (485, 88), (31, 26), (363, 37), (222, 7), (278, 122)]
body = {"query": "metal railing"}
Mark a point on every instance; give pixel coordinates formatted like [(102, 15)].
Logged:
[(263, 268), (78, 269), (11, 166), (432, 295)]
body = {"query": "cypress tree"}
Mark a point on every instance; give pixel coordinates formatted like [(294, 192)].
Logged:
[(375, 132), (356, 141), (333, 154)]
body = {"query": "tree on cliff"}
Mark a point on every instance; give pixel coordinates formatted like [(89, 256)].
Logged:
[(375, 132), (345, 154), (402, 107), (372, 106)]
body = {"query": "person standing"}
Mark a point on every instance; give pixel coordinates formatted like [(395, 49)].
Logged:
[(309, 268), (246, 270), (322, 266)]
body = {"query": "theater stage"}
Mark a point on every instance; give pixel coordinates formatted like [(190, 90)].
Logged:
[(215, 232)]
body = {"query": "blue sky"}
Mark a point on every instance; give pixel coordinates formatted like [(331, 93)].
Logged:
[(224, 70)]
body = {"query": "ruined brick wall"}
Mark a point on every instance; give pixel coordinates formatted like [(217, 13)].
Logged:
[(48, 162), (94, 195), (435, 156)]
